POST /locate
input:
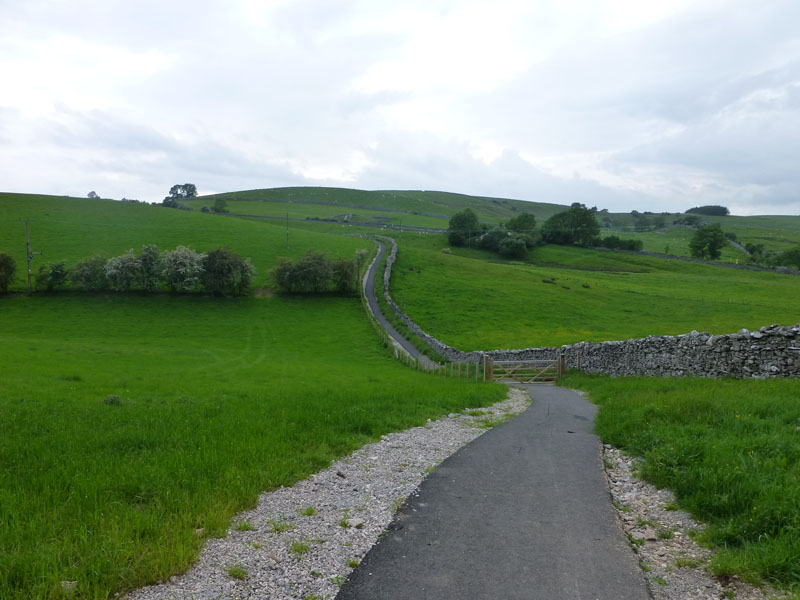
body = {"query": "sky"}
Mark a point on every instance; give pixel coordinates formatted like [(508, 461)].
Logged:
[(624, 104)]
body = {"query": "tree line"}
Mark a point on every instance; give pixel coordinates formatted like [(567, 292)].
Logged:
[(219, 272)]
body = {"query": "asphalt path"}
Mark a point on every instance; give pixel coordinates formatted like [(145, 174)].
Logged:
[(372, 300), (521, 512)]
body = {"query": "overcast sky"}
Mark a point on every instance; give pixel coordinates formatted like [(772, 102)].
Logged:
[(627, 104)]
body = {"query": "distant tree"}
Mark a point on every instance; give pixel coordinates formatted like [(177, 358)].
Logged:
[(220, 206), (690, 220), (641, 222), (710, 210), (522, 223), (51, 276), (8, 268), (707, 242), (89, 274), (226, 273), (614, 242), (730, 235), (122, 271), (179, 191), (790, 258), (577, 205), (92, 194), (205, 209), (149, 268), (463, 225), (513, 247), (182, 269), (659, 222), (573, 226), (311, 274)]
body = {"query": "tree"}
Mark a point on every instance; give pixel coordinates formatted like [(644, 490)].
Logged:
[(575, 225), (522, 223), (90, 274), (179, 191), (220, 206), (150, 268), (92, 195), (790, 258), (710, 210), (122, 271), (225, 272), (707, 242), (8, 268), (311, 274), (182, 269), (491, 239), (463, 225), (51, 276), (641, 222), (344, 276)]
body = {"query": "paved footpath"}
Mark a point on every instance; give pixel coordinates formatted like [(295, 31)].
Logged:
[(521, 512)]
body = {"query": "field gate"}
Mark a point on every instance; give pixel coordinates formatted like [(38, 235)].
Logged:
[(523, 371)]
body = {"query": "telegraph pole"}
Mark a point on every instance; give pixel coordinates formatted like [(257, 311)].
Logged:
[(287, 231), (28, 254)]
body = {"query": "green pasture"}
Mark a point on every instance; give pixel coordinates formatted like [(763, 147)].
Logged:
[(127, 424), (443, 204), (72, 229), (730, 450), (302, 210), (473, 301)]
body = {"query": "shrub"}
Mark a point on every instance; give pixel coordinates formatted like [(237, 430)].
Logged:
[(150, 271), (522, 223), (182, 269), (345, 276), (225, 272), (513, 247), (51, 276), (616, 243), (491, 240), (89, 274), (8, 268), (122, 271), (311, 274)]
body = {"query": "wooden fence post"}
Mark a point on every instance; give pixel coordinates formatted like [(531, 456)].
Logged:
[(562, 364), (487, 374)]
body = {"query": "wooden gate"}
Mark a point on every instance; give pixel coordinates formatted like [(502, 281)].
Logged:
[(523, 371)]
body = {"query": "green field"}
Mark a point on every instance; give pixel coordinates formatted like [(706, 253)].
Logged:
[(126, 423), (471, 300), (72, 229), (730, 452)]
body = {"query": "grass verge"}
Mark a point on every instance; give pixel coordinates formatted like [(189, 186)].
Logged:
[(729, 449)]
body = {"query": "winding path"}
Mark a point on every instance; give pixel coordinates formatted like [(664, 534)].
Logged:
[(372, 300)]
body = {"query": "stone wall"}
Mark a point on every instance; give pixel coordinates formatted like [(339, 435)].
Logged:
[(772, 351)]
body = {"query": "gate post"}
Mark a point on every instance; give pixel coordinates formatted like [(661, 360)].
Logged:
[(488, 375), (562, 365)]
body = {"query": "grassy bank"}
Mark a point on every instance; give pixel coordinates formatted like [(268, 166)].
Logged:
[(730, 450), (129, 423)]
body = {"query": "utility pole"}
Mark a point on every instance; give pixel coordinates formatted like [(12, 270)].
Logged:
[(287, 231), (28, 253)]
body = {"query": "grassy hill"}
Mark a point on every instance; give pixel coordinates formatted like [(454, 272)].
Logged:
[(71, 229), (472, 300)]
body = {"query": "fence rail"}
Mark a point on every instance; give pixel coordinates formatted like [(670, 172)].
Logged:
[(524, 371)]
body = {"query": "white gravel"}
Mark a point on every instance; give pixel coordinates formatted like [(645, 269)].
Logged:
[(279, 550)]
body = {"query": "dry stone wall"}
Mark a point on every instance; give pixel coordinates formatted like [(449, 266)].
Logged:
[(772, 351)]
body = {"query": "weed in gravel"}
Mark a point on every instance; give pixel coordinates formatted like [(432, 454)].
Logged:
[(352, 563), (298, 547), (671, 506), (338, 580), (666, 534), (660, 580), (244, 526), (280, 526), (622, 507), (309, 511), (236, 572), (688, 562)]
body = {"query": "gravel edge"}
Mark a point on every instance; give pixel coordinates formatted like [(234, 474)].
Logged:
[(303, 541), (675, 566)]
